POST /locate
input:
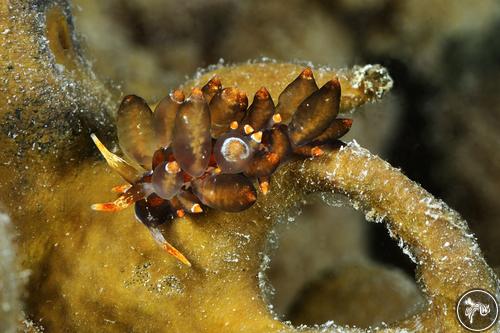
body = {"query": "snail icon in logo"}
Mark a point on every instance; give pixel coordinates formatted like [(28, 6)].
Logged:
[(477, 310), (473, 307)]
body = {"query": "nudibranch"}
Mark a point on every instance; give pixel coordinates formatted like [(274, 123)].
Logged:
[(209, 149)]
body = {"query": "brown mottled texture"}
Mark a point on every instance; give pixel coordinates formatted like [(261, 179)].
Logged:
[(294, 93), (226, 192), (315, 114), (164, 117), (261, 110), (134, 126), (191, 141), (226, 106)]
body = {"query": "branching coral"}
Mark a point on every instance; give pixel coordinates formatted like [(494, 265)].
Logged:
[(99, 273)]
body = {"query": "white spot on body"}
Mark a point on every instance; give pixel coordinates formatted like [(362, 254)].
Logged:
[(228, 146)]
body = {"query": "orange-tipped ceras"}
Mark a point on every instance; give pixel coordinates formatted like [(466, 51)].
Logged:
[(209, 149)]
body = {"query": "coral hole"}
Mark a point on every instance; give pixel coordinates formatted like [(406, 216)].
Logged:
[(321, 269), (58, 33)]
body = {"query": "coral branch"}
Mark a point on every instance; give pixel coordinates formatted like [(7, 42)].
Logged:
[(448, 257)]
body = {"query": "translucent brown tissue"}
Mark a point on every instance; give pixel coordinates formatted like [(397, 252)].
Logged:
[(191, 142), (134, 126)]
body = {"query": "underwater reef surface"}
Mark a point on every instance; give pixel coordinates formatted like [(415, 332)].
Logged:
[(442, 113), (443, 56), (101, 272)]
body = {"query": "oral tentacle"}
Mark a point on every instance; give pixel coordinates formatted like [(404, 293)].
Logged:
[(118, 164)]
